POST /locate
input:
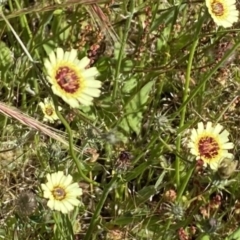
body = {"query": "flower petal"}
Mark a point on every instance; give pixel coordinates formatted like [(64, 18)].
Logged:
[(223, 12), (70, 79), (83, 62), (211, 144), (59, 54), (58, 182)]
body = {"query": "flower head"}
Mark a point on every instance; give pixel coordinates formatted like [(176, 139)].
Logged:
[(70, 79), (49, 110), (223, 12), (61, 192), (210, 144)]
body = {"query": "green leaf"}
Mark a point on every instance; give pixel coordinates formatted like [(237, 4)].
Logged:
[(6, 55), (117, 47), (134, 109), (235, 235), (168, 16), (124, 220), (143, 234), (49, 46), (2, 233), (137, 171), (145, 193), (205, 237), (65, 32), (129, 85)]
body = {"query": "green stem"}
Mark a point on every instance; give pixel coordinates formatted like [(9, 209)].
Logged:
[(4, 128), (155, 11), (207, 77), (166, 229), (122, 49), (23, 20), (150, 144), (68, 128), (56, 217), (183, 112), (225, 109), (179, 196), (71, 144), (95, 217), (25, 24), (16, 36), (185, 182)]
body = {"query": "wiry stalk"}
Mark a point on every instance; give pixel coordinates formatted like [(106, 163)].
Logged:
[(33, 123), (102, 21), (50, 7)]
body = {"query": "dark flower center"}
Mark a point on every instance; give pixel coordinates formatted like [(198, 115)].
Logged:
[(49, 111), (208, 147), (217, 8), (67, 79), (59, 193)]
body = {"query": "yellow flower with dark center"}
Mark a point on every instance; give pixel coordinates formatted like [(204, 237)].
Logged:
[(210, 144), (48, 110), (223, 12), (71, 79), (61, 192)]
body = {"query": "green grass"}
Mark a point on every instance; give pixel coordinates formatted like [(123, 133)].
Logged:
[(164, 67)]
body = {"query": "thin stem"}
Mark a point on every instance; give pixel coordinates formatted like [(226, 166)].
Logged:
[(95, 217), (69, 131), (23, 20), (226, 108), (207, 77), (71, 144), (168, 224), (16, 36), (185, 182), (25, 24), (183, 112), (122, 49), (179, 196)]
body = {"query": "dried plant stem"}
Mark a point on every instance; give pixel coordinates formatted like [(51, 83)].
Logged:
[(41, 8), (32, 123), (102, 21)]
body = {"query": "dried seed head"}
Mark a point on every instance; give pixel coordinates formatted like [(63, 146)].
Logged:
[(124, 161), (227, 168), (112, 137), (178, 211), (212, 225), (26, 203), (175, 211), (170, 195), (115, 234)]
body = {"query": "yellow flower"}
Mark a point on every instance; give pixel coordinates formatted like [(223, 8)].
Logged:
[(70, 79), (223, 12), (61, 192), (210, 144), (49, 110)]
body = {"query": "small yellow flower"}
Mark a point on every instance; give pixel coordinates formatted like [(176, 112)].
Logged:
[(49, 110), (61, 192), (70, 79), (223, 12), (210, 144)]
